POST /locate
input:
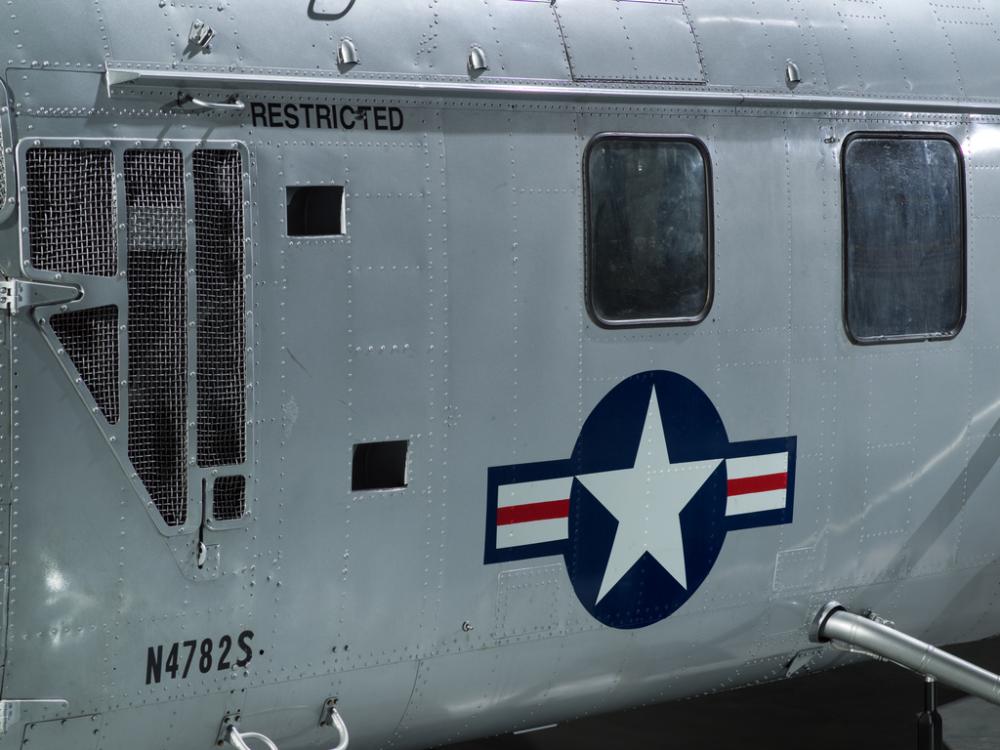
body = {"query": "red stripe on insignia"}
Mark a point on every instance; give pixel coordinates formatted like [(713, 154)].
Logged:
[(532, 512), (763, 483)]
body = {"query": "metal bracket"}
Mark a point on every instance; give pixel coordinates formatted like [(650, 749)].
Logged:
[(201, 34), (17, 294), (229, 720), (16, 712)]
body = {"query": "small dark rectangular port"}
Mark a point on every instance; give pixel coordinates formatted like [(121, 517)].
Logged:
[(379, 466), (315, 211)]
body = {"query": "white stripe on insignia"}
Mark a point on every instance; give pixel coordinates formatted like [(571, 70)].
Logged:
[(756, 502), (525, 493), (755, 466), (532, 532)]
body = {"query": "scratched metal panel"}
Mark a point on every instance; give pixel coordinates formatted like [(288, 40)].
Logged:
[(81, 606), (390, 36), (528, 40), (168, 27), (352, 380), (749, 44), (972, 32), (521, 39), (629, 40), (27, 38), (812, 178), (190, 722), (58, 606), (497, 690), (83, 732), (503, 337), (289, 712), (982, 151), (925, 55), (882, 47)]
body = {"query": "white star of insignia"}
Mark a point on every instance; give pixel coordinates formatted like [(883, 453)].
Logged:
[(647, 501)]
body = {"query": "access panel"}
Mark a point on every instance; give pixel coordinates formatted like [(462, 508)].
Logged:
[(630, 40)]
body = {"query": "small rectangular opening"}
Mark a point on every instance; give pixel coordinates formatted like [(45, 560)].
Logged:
[(315, 211), (379, 466)]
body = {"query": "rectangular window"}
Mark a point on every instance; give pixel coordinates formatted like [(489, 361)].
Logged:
[(315, 211), (649, 259), (904, 237)]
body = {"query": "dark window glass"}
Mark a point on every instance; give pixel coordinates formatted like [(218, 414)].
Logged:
[(315, 211), (904, 237), (649, 256)]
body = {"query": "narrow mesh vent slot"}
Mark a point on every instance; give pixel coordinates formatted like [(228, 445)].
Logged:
[(218, 192), (71, 210), (229, 498), (157, 348), (90, 339)]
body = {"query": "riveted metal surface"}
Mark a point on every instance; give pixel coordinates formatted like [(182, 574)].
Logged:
[(630, 41), (414, 37), (771, 32), (450, 314), (7, 180), (83, 732)]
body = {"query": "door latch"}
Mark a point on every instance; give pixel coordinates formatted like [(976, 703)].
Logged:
[(18, 294)]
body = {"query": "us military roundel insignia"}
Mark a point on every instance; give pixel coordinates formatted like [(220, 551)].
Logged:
[(642, 507)]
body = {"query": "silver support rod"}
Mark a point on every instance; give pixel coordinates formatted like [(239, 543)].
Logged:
[(118, 77), (834, 623)]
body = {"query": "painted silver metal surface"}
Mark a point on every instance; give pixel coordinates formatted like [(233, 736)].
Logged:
[(120, 77), (7, 179), (450, 313), (834, 623), (15, 712)]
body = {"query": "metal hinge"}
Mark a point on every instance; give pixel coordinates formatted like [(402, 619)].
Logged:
[(18, 294)]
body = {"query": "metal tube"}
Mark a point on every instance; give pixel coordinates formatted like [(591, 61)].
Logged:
[(338, 722), (834, 623)]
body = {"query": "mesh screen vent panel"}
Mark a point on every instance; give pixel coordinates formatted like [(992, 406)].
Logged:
[(157, 345), (229, 499), (71, 210), (90, 338), (219, 251)]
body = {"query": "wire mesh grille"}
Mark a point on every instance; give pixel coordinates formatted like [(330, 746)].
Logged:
[(157, 346), (90, 339), (219, 251), (71, 210), (229, 498)]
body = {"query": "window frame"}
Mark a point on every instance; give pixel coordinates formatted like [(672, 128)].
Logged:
[(964, 239), (590, 252)]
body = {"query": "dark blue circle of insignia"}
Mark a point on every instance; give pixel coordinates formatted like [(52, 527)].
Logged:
[(608, 441)]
